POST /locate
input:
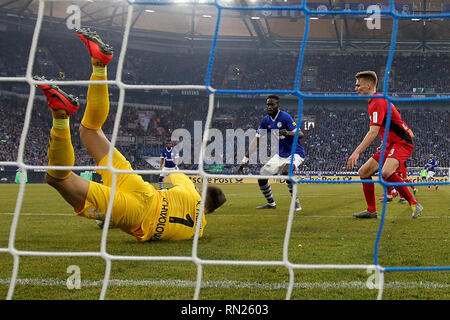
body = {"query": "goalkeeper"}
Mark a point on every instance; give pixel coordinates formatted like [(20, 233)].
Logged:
[(138, 208)]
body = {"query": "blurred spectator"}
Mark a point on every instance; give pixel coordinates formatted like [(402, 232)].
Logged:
[(328, 143)]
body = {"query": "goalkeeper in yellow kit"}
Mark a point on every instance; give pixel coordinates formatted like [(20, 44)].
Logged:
[(138, 208)]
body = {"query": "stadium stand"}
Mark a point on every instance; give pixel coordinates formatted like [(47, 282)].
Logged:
[(328, 143)]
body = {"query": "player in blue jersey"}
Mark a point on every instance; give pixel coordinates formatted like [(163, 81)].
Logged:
[(169, 158), (277, 122), (430, 167)]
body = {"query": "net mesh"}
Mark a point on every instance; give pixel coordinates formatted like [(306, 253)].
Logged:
[(285, 262)]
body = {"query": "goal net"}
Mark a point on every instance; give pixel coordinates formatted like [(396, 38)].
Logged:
[(299, 10)]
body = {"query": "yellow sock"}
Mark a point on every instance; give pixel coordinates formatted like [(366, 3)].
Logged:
[(98, 68), (97, 107), (61, 123), (60, 152)]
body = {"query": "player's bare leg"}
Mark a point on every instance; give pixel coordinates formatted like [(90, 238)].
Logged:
[(73, 189)]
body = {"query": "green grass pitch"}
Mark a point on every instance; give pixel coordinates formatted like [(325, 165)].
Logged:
[(323, 233)]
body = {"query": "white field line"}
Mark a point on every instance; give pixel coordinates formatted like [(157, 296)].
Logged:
[(232, 284), (297, 215)]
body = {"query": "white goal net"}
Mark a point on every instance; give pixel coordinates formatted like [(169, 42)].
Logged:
[(44, 7)]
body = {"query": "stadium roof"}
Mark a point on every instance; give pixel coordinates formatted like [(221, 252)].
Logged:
[(185, 24)]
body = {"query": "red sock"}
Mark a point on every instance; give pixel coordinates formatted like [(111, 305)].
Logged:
[(369, 193), (389, 191), (409, 181), (404, 191)]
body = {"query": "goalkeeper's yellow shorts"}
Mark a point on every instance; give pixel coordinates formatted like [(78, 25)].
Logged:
[(133, 197)]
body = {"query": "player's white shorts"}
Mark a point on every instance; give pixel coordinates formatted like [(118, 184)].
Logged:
[(276, 164), (165, 171), (430, 174)]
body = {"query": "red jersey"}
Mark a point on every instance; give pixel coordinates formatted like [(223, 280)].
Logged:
[(398, 130)]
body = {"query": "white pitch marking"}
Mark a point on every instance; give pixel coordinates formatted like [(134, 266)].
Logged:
[(299, 215), (231, 284)]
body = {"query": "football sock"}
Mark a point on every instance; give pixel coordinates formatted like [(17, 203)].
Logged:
[(266, 190), (161, 182), (60, 151), (97, 107), (389, 191), (403, 191), (409, 181), (98, 68), (369, 194), (290, 187)]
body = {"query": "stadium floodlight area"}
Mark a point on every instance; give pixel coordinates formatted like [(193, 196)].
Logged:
[(221, 7)]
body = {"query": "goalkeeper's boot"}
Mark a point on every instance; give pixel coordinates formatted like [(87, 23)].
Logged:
[(417, 210), (57, 98), (96, 47), (267, 206), (365, 215)]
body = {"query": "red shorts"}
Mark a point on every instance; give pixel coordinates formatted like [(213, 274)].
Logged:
[(399, 151)]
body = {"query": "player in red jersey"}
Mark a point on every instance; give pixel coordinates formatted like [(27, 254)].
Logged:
[(399, 146)]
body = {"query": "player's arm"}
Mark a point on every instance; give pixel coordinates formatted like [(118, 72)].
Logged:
[(291, 128), (286, 133), (408, 130), (367, 141), (253, 146)]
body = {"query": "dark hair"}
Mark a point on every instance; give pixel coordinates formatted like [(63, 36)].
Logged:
[(214, 198), (274, 97)]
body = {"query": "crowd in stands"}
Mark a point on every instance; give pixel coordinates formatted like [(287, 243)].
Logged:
[(325, 72), (336, 131), (328, 143)]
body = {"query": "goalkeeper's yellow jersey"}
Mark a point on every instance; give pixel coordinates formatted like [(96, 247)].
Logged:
[(174, 212)]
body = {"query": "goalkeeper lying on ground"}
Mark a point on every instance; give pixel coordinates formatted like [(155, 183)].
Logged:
[(138, 208)]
